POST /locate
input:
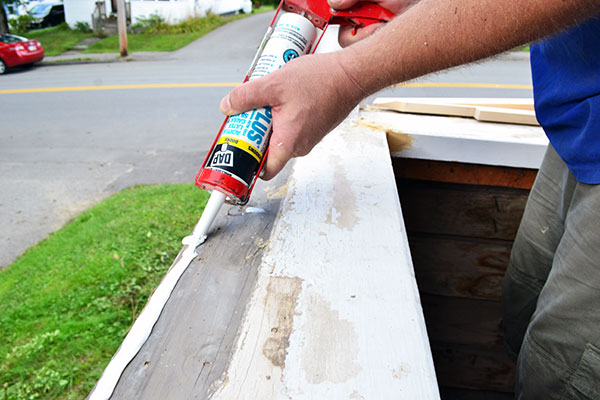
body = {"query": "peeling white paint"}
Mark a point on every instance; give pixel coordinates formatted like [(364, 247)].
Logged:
[(357, 329)]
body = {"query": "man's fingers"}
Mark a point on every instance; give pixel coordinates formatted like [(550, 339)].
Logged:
[(276, 160), (347, 36), (246, 97)]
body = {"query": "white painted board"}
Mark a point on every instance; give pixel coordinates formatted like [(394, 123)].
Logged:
[(335, 312), (462, 139)]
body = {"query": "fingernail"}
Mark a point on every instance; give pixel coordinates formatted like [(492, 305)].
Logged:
[(225, 105)]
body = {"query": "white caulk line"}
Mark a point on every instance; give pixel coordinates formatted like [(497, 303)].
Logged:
[(142, 327)]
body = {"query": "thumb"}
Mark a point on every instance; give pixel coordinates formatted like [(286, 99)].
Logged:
[(248, 96), (277, 158), (341, 4)]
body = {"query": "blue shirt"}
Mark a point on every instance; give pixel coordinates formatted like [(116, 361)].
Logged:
[(566, 87)]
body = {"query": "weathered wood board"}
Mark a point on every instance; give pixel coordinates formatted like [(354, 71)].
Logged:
[(469, 394), (476, 368), (467, 211), (462, 321), (458, 266), (469, 174), (191, 343)]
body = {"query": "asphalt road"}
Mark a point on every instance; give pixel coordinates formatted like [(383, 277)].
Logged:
[(64, 149)]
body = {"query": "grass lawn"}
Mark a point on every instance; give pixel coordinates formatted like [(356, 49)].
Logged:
[(57, 39), (66, 304), (146, 42)]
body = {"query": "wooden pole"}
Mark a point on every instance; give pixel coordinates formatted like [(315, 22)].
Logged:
[(122, 27)]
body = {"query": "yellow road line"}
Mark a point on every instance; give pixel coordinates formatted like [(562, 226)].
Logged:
[(464, 85), (233, 84), (120, 87)]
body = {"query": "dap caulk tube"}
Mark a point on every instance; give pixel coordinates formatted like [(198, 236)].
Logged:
[(237, 155)]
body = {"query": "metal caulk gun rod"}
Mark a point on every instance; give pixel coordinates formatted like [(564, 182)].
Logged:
[(208, 216)]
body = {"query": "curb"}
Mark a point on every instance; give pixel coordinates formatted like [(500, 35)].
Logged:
[(82, 60), (100, 58)]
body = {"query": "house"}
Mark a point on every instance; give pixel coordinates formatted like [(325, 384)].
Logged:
[(171, 10)]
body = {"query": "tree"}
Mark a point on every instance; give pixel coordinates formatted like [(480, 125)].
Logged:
[(4, 26), (3, 18)]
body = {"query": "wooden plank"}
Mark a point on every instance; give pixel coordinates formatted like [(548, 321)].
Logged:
[(516, 102), (513, 111), (448, 393), (459, 267), (470, 174), (507, 116), (437, 108), (473, 211), (460, 139), (335, 312), (456, 321), (473, 368), (190, 344)]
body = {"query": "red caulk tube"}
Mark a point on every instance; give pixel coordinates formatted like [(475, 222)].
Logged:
[(239, 151)]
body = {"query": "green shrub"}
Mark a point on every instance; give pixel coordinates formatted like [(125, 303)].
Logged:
[(83, 27), (154, 23), (21, 23)]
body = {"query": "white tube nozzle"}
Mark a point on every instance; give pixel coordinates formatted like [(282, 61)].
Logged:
[(211, 210)]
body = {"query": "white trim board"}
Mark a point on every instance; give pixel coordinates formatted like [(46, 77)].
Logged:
[(335, 312), (459, 139)]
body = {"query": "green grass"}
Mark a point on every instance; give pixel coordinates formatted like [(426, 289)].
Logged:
[(57, 39), (146, 42), (66, 304)]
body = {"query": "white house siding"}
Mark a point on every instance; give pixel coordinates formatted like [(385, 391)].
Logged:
[(81, 11), (177, 10), (171, 10)]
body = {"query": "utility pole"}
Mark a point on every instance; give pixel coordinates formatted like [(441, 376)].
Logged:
[(122, 27)]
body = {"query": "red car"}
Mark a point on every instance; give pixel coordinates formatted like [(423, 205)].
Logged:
[(16, 50)]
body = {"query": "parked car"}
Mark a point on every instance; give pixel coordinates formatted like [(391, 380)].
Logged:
[(16, 50), (47, 14)]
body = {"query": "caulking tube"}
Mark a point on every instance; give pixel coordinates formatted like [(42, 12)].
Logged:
[(238, 152), (237, 156)]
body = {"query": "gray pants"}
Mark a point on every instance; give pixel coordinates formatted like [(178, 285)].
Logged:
[(551, 292)]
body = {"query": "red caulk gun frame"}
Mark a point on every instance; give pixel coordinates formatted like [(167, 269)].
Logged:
[(321, 16)]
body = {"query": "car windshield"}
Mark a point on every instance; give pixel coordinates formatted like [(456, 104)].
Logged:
[(8, 38), (40, 9)]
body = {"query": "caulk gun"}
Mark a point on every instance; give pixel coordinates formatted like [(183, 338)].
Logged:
[(240, 148)]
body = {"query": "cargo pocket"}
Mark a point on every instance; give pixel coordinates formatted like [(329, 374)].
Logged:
[(585, 382)]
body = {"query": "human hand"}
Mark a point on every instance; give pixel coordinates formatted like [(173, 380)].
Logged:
[(309, 96), (346, 35)]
